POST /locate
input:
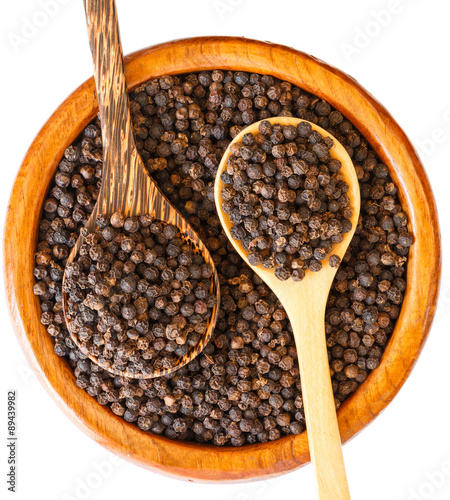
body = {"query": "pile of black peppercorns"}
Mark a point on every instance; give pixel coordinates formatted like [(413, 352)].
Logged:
[(244, 388), (138, 297), (285, 199)]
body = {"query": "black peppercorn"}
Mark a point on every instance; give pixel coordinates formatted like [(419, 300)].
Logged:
[(243, 336)]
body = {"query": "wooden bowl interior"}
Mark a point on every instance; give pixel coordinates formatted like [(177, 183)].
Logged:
[(206, 462)]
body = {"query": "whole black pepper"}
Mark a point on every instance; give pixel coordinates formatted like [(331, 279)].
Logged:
[(107, 309), (379, 242), (291, 216)]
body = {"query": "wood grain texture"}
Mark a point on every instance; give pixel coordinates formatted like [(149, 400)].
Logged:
[(204, 462), (305, 304), (126, 186)]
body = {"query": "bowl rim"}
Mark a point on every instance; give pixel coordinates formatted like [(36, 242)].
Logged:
[(207, 462)]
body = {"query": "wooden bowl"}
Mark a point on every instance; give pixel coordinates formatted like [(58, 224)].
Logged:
[(205, 462)]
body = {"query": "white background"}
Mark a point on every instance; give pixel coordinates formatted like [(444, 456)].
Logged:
[(398, 50)]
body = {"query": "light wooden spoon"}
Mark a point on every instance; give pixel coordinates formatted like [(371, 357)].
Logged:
[(305, 304), (126, 186)]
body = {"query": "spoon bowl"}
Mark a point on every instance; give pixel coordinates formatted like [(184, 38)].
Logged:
[(305, 304), (126, 185), (283, 289)]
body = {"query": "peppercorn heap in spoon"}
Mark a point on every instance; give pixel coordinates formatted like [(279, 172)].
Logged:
[(288, 199), (141, 292)]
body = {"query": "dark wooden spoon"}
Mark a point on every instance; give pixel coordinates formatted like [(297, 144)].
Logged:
[(126, 186)]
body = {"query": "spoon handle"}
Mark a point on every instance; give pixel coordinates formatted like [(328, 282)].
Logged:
[(322, 426), (120, 156)]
